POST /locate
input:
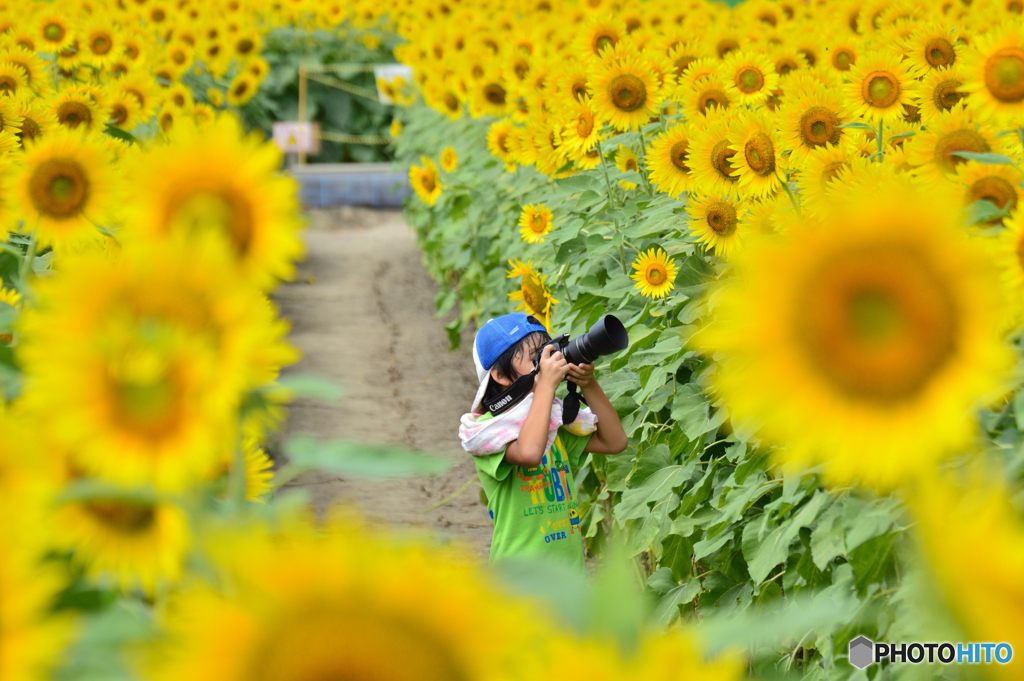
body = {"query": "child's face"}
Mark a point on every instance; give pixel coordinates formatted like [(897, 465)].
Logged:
[(523, 363)]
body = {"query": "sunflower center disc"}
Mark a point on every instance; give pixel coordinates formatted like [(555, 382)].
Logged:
[(631, 165), (945, 95), (678, 154), (820, 126), (603, 42), (100, 45), (59, 188), (784, 66), (880, 89), (749, 81), (53, 32), (842, 60), (495, 94), (760, 154), (721, 218), (129, 517), (682, 62), (655, 274), (830, 171), (715, 98), (958, 140), (579, 90), (720, 155), (628, 92), (1004, 74), (533, 293), (938, 52), (877, 323), (584, 125), (72, 114)]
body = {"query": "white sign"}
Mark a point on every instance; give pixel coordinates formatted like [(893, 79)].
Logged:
[(389, 73), (297, 137)]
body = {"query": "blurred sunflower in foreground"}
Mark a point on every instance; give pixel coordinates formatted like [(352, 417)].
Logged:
[(863, 341), (533, 292)]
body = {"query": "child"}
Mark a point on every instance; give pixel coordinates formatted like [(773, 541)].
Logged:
[(524, 456)]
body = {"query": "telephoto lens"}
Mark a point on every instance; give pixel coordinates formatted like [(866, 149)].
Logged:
[(606, 336)]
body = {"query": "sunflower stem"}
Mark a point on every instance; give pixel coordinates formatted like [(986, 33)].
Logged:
[(789, 192), (643, 148), (881, 152), (607, 182)]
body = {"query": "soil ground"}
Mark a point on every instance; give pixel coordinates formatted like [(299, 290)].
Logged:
[(362, 313)]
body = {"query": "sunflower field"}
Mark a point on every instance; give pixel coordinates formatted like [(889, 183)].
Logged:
[(805, 213)]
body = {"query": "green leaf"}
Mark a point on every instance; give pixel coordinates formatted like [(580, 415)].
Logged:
[(872, 560), (618, 468), (984, 210), (649, 460), (693, 275), (666, 611), (308, 386), (120, 134), (360, 460), (656, 489), (578, 183), (900, 136), (675, 555), (988, 159), (763, 549), (859, 126)]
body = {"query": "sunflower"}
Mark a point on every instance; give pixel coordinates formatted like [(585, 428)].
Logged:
[(144, 92), (13, 79), (994, 73), (581, 130), (879, 85), (714, 221), (998, 184), (168, 340), (395, 129), (498, 135), (822, 173), (532, 293), (10, 120), (810, 119), (340, 603), (876, 336), (124, 110), (67, 184), (217, 179), (99, 43), (260, 68), (36, 118), (180, 54), (179, 96), (701, 69), (962, 525), (843, 54), (1009, 249), (242, 89), (764, 217), (756, 158), (750, 76), (571, 83), (626, 161), (79, 107), (941, 90), (596, 37), (709, 158), (535, 221), (449, 159), (706, 95), (546, 144), (931, 46), (489, 96), (426, 181), (33, 67), (624, 92), (53, 31), (259, 472), (654, 273), (134, 541), (932, 149)]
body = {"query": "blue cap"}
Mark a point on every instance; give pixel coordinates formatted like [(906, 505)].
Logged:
[(501, 333)]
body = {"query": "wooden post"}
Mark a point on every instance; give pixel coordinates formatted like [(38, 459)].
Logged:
[(302, 104)]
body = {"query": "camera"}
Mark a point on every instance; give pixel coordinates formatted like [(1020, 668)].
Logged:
[(606, 336)]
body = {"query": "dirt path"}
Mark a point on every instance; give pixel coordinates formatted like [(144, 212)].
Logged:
[(362, 314)]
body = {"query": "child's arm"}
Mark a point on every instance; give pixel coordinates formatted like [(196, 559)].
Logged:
[(528, 450), (609, 438)]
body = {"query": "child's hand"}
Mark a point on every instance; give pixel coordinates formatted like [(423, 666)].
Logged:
[(553, 367), (582, 375)]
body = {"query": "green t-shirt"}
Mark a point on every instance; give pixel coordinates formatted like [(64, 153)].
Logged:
[(533, 509)]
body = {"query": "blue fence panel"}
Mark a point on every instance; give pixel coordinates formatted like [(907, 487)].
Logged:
[(374, 185)]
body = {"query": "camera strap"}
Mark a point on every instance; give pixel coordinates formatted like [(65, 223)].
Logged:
[(521, 387)]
